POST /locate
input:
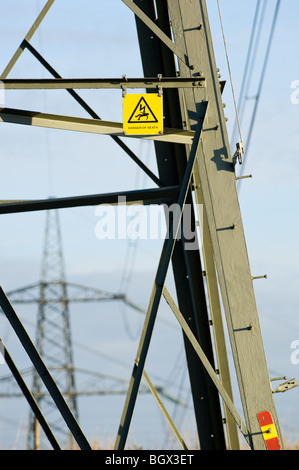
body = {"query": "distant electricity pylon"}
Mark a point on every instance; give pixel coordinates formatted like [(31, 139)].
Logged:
[(53, 331)]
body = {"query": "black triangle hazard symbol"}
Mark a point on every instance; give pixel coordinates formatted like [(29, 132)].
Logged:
[(142, 113)]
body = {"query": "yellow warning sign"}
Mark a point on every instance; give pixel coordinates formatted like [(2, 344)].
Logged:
[(142, 114)]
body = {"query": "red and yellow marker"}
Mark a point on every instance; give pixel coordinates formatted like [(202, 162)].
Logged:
[(269, 431)]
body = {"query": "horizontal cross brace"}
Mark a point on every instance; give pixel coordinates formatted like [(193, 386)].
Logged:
[(96, 83), (145, 197), (93, 126)]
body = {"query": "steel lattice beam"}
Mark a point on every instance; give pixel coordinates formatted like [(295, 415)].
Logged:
[(100, 83)]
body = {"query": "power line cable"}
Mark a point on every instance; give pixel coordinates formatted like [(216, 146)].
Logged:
[(261, 82), (253, 41)]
